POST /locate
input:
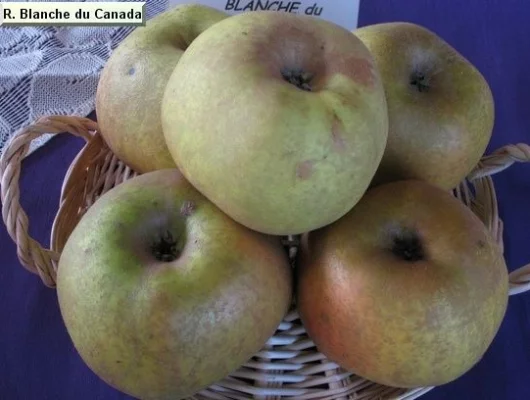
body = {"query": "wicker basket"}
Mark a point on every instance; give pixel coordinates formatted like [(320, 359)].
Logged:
[(289, 366)]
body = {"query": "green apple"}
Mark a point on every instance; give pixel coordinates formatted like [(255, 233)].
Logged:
[(408, 289), (279, 119), (163, 294), (132, 83), (441, 109)]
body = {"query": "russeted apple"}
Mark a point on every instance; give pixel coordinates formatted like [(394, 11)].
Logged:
[(133, 80), (408, 289), (441, 109), (279, 119), (163, 294)]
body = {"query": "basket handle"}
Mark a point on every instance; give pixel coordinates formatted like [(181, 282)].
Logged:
[(494, 163), (43, 262), (31, 254)]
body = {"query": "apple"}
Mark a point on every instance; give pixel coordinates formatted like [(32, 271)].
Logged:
[(279, 119), (408, 289), (163, 294), (441, 109), (133, 80)]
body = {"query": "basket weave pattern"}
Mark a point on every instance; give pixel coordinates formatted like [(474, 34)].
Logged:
[(289, 365)]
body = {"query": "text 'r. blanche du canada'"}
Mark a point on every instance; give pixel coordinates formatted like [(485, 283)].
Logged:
[(56, 14)]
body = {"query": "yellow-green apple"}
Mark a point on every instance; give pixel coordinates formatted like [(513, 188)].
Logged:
[(279, 119), (163, 294), (441, 109), (133, 80), (408, 289)]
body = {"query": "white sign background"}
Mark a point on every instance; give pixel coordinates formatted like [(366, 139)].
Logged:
[(342, 12)]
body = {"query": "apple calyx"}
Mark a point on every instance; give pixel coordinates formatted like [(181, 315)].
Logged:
[(408, 246), (165, 248), (420, 81), (298, 78)]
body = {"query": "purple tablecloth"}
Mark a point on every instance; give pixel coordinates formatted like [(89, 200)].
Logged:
[(37, 360)]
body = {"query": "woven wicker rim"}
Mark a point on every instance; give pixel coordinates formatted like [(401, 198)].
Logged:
[(289, 365)]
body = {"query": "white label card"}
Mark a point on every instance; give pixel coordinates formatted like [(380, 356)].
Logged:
[(342, 12)]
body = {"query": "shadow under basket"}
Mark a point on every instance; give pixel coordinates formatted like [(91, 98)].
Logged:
[(289, 365)]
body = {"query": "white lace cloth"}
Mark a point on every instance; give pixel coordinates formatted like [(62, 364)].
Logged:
[(53, 71)]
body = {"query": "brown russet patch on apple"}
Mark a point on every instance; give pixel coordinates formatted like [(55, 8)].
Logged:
[(304, 169), (288, 47), (339, 144), (188, 207), (360, 70), (293, 36)]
